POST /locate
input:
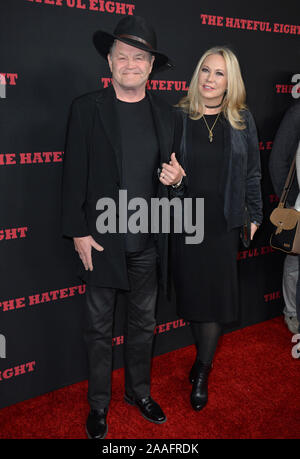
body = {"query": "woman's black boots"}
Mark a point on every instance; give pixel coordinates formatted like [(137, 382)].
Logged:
[(199, 377)]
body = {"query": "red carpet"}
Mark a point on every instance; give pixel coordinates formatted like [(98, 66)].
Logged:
[(254, 393)]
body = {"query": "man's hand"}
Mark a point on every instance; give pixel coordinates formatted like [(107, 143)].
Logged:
[(171, 173), (83, 245)]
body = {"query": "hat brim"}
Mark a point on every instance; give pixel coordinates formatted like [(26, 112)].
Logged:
[(104, 40)]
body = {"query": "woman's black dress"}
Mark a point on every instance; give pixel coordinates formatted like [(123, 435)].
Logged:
[(205, 274)]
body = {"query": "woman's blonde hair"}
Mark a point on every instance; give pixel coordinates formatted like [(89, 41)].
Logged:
[(235, 96)]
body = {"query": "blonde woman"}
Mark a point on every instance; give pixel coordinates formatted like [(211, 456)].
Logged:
[(220, 155)]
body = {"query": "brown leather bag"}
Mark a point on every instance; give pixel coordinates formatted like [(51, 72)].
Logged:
[(287, 221)]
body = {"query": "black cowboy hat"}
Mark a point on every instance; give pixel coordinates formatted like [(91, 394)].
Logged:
[(134, 31)]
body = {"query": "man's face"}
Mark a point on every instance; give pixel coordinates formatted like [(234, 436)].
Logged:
[(130, 66)]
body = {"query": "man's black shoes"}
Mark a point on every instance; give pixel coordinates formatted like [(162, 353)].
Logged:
[(148, 408), (96, 426)]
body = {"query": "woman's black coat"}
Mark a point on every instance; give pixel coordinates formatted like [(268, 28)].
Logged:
[(241, 170)]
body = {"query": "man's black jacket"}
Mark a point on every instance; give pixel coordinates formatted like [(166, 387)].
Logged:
[(92, 170)]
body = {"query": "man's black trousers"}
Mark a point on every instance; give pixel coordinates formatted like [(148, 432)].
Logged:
[(138, 330)]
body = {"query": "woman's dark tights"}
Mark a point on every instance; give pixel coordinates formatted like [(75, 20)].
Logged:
[(206, 335)]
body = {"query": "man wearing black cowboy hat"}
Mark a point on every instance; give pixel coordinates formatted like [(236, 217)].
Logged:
[(118, 138)]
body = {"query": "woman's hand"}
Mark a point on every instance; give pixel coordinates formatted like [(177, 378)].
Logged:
[(171, 173), (254, 228)]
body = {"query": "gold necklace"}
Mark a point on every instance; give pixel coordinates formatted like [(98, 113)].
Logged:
[(210, 130)]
